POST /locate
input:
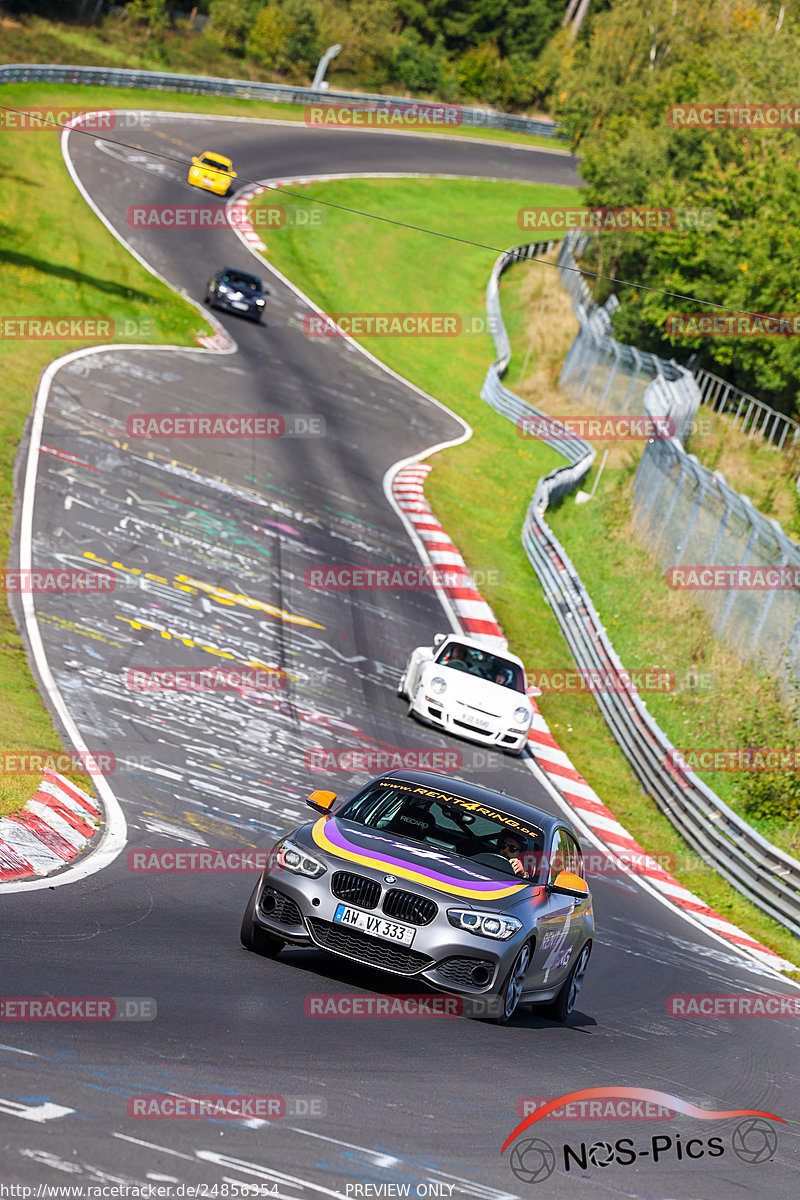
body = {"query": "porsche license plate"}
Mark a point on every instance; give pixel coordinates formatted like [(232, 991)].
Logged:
[(374, 925), (239, 304)]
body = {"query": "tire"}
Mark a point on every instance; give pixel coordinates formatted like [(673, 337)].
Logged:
[(563, 1004), (253, 936), (512, 988)]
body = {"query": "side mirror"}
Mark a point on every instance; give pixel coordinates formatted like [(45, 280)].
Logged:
[(233, 174), (440, 637), (567, 884), (533, 690), (321, 801)]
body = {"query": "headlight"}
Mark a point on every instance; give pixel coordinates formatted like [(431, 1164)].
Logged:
[(521, 715), (261, 302), (484, 924), (437, 685), (223, 287), (293, 858)]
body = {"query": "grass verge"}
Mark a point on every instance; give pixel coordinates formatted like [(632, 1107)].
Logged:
[(484, 515)]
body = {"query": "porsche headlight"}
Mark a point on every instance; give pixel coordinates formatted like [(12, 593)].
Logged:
[(484, 924), (292, 858), (437, 685), (521, 715)]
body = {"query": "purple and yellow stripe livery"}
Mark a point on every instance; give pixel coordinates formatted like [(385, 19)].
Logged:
[(329, 837)]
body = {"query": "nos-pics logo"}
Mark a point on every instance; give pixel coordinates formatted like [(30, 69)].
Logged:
[(533, 1160)]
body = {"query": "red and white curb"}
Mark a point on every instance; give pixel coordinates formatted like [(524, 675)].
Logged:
[(54, 827), (217, 341), (627, 855), (474, 614), (238, 215)]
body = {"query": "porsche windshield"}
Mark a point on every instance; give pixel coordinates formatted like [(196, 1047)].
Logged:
[(448, 822), (482, 664), (247, 283)]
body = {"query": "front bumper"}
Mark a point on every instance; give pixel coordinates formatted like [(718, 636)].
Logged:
[(300, 912), (218, 186), (458, 721), (253, 311)]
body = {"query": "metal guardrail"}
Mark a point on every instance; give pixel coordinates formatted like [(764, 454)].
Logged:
[(684, 512), (246, 89), (766, 875), (752, 416)]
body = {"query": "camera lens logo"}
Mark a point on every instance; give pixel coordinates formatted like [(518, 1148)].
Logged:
[(533, 1161), (601, 1154), (754, 1141)]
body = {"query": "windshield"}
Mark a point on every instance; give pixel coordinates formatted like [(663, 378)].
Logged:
[(483, 664), (215, 163), (448, 822), (249, 283)]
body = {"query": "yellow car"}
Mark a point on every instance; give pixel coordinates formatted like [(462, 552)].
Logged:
[(211, 171)]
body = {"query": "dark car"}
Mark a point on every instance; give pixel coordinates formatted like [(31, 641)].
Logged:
[(409, 876), (237, 291)]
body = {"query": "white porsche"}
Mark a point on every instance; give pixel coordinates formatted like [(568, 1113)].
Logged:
[(462, 686)]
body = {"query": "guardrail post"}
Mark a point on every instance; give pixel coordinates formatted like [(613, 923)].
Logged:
[(766, 605), (732, 597), (699, 501), (612, 372)]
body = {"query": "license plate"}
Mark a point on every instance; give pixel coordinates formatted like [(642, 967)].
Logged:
[(374, 925), (480, 722), (239, 304)]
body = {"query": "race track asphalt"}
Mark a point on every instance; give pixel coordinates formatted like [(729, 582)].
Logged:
[(210, 541)]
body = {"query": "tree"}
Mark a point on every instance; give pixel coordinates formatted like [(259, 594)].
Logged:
[(152, 13), (418, 66), (370, 46), (303, 45), (269, 37), (231, 22), (641, 59)]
